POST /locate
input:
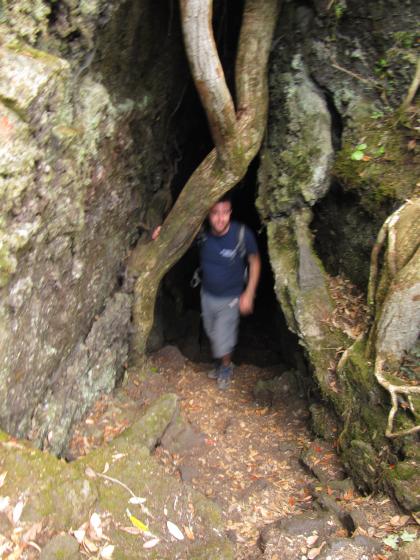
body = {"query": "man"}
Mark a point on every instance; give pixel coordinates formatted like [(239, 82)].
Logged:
[(224, 295), (226, 249)]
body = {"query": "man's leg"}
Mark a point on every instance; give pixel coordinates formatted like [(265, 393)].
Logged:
[(225, 338), (221, 319), (208, 315)]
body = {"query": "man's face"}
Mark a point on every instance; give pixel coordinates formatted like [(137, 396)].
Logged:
[(219, 217)]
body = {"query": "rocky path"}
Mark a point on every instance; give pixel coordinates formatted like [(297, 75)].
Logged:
[(283, 495)]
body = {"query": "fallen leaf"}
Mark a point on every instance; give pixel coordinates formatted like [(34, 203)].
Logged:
[(175, 530), (131, 530), (95, 525), (189, 533), (314, 552), (89, 545), (90, 472), (136, 500), (2, 478), (310, 541), (107, 552), (79, 535), (106, 468), (17, 511), (137, 523), (118, 456), (4, 503), (151, 543)]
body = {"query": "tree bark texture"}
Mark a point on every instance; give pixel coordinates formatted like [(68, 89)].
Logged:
[(237, 137)]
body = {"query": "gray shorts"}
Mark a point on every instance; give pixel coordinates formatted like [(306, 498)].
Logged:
[(221, 320)]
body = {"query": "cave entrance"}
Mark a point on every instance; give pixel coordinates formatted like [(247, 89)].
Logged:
[(264, 339)]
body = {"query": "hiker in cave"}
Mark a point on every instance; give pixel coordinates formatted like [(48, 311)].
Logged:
[(230, 270)]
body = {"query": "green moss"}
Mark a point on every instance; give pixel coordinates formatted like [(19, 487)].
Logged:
[(358, 369), (378, 179)]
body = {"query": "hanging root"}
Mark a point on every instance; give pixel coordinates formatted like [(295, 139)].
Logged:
[(386, 233), (394, 391), (412, 90)]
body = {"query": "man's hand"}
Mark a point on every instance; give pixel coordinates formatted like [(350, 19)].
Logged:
[(246, 303), (156, 232)]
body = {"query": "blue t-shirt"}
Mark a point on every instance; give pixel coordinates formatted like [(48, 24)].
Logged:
[(222, 269)]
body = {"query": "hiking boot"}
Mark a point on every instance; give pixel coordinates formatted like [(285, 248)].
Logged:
[(225, 377)]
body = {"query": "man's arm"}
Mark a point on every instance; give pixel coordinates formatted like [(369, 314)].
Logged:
[(246, 302)]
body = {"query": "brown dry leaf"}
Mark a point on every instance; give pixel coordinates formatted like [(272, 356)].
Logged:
[(411, 145), (131, 530), (89, 545), (189, 533), (310, 541), (314, 552), (32, 532)]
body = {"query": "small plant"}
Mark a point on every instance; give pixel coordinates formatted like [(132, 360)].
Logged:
[(339, 9), (405, 39), (377, 114), (394, 540), (359, 152)]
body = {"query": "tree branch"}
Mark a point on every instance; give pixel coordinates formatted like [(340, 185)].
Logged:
[(207, 71)]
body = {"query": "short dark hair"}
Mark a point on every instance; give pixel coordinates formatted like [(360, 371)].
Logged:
[(225, 198)]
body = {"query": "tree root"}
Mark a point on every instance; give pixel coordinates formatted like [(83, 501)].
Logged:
[(237, 137), (394, 391), (412, 90), (387, 232)]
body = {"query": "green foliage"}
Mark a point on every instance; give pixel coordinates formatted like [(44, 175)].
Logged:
[(359, 152), (405, 39), (339, 9), (393, 541)]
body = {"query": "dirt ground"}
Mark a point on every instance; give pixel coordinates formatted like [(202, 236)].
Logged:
[(247, 457)]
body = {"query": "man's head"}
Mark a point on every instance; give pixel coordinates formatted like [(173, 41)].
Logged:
[(219, 216)]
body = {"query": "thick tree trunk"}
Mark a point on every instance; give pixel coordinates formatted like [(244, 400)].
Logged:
[(237, 140)]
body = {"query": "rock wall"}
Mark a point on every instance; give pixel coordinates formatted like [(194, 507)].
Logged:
[(88, 92), (339, 73)]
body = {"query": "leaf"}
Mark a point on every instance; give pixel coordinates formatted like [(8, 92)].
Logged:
[(310, 541), (361, 147), (118, 456), (189, 533), (107, 552), (175, 530), (151, 543), (90, 472), (2, 478), (95, 524), (408, 537), (89, 546), (4, 503), (106, 468), (137, 523), (131, 530), (136, 500), (357, 155), (79, 535), (391, 541), (17, 511)]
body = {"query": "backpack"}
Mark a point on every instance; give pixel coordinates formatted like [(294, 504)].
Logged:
[(240, 249)]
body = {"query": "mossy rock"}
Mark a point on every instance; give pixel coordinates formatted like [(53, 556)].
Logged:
[(362, 461), (385, 171), (404, 482), (57, 491), (324, 422)]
